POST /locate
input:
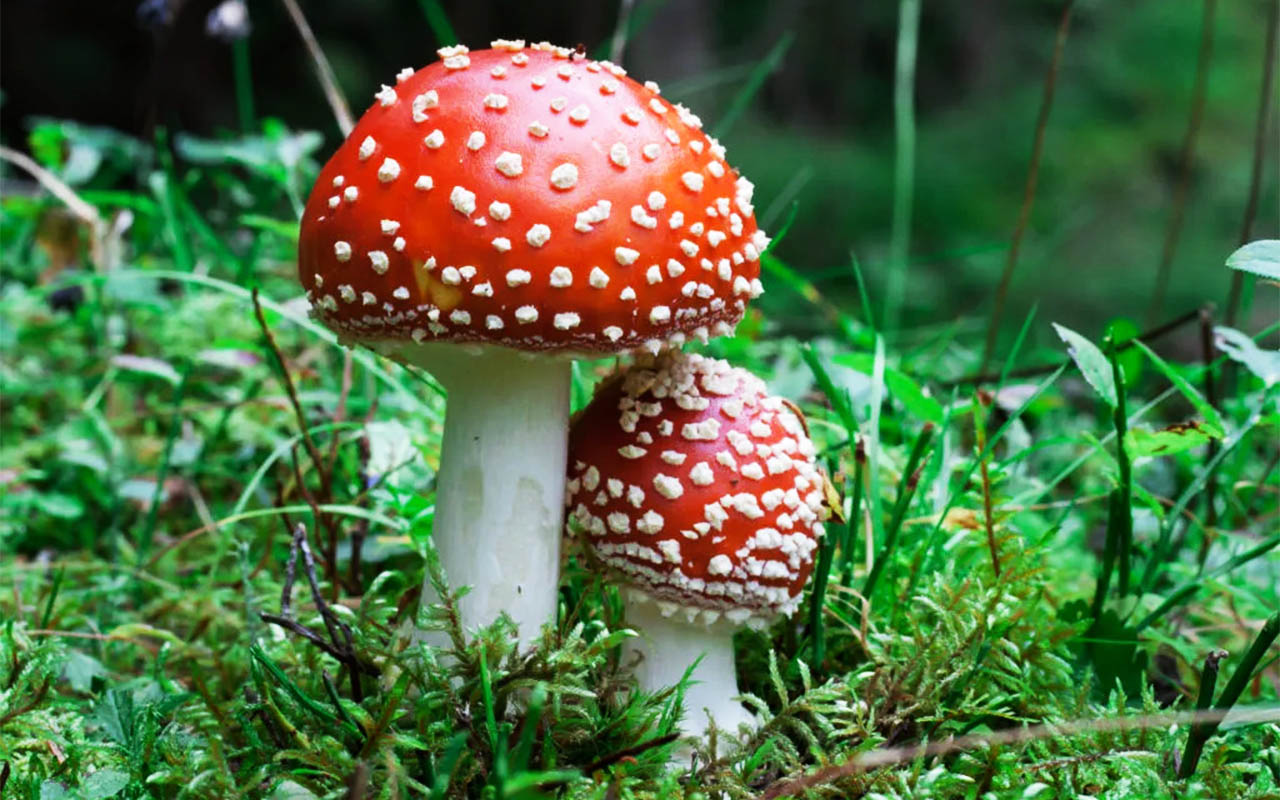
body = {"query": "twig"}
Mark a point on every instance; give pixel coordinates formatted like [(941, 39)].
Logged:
[(31, 705), (328, 547), (315, 638), (980, 431), (340, 645), (1184, 168), (324, 72), (56, 187), (341, 413), (1259, 153), (629, 752), (291, 392), (1029, 191), (888, 756), (290, 573), (1044, 369)]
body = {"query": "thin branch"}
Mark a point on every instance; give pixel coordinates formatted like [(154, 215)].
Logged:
[(290, 391), (1184, 169), (1259, 153), (338, 103), (55, 186), (889, 756), (1029, 191)]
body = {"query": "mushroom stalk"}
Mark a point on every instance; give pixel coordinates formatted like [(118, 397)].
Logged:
[(500, 489), (668, 646)]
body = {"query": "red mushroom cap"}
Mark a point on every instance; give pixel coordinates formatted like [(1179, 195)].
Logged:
[(700, 487), (529, 198)]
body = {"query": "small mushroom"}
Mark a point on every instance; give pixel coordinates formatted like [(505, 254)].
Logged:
[(492, 216), (701, 491)]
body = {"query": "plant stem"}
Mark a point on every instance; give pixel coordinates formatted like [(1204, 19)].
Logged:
[(1122, 508), (1029, 189), (817, 599), (905, 493), (1183, 186), (244, 83), (1259, 153), (324, 72), (1200, 733), (1211, 396), (904, 129), (855, 511), (1195, 741), (980, 432)]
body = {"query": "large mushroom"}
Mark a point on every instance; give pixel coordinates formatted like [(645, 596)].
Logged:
[(492, 216), (701, 491)]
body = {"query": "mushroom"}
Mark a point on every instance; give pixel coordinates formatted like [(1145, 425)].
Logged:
[(701, 491), (492, 216)]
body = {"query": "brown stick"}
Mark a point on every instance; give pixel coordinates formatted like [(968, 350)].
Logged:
[(980, 431), (888, 756), (1029, 190), (1182, 189), (289, 389), (323, 71), (1259, 153)]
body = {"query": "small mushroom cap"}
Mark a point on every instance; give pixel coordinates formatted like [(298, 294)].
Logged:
[(533, 199), (699, 487)]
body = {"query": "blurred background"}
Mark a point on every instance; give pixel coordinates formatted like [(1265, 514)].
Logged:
[(817, 134)]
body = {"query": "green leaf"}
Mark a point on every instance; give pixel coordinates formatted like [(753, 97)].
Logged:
[(52, 790), (1092, 363), (1260, 258), (1141, 442), (1121, 330), (115, 714), (1213, 421), (104, 783), (903, 388), (81, 669), (147, 366), (61, 506), (1241, 348)]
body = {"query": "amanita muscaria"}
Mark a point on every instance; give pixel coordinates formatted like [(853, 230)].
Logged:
[(701, 491), (492, 216)]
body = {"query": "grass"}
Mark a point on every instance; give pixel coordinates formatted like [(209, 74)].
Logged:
[(216, 522)]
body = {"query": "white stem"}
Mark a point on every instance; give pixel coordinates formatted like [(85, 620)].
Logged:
[(500, 490), (668, 646)]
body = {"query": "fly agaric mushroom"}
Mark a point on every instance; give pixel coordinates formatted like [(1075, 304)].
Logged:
[(492, 216), (702, 491)]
